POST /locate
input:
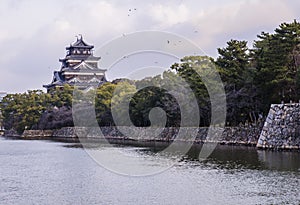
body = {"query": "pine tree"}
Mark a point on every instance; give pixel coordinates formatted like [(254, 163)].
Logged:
[(277, 61)]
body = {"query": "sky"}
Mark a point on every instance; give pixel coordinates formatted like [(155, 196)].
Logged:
[(34, 33)]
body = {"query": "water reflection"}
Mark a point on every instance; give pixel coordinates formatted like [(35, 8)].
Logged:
[(223, 157), (280, 160), (45, 172)]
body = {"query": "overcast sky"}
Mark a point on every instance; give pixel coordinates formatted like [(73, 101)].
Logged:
[(34, 33)]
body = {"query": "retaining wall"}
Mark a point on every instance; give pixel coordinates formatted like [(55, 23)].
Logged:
[(282, 128), (246, 135)]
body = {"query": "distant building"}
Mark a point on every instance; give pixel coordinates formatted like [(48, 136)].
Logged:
[(2, 95), (79, 68)]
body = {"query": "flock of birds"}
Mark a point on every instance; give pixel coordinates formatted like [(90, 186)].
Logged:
[(131, 10)]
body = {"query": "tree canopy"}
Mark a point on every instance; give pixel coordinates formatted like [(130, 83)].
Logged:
[(276, 58), (253, 78)]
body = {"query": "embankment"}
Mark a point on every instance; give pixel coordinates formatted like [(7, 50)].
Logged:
[(244, 135), (282, 128)]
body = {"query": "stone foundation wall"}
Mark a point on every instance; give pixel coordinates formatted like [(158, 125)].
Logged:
[(241, 135), (282, 128), (246, 135), (35, 134), (11, 133), (65, 132)]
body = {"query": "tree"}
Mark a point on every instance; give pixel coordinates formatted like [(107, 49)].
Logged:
[(23, 111), (120, 102), (62, 96), (236, 73), (233, 63), (276, 57), (103, 98), (189, 69)]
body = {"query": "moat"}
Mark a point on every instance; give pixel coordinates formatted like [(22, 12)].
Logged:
[(48, 172)]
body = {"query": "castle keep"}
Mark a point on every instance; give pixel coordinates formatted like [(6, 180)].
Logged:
[(79, 68)]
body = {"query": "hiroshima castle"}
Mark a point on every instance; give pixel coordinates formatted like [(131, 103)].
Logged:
[(79, 68)]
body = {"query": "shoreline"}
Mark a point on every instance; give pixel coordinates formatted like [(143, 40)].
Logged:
[(247, 136), (152, 143)]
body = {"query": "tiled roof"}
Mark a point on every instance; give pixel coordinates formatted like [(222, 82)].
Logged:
[(80, 44)]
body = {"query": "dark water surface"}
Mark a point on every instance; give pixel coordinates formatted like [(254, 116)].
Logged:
[(46, 172)]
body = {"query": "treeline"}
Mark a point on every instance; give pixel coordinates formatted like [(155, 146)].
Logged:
[(24, 110), (253, 78)]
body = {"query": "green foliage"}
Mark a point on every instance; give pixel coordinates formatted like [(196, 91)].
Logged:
[(62, 96), (276, 57), (103, 104), (23, 111), (253, 79), (233, 65), (121, 101), (189, 69), (153, 97)]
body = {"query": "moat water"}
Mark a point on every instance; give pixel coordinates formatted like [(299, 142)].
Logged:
[(47, 172)]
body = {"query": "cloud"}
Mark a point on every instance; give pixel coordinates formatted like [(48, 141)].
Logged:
[(243, 20), (33, 33), (167, 16)]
